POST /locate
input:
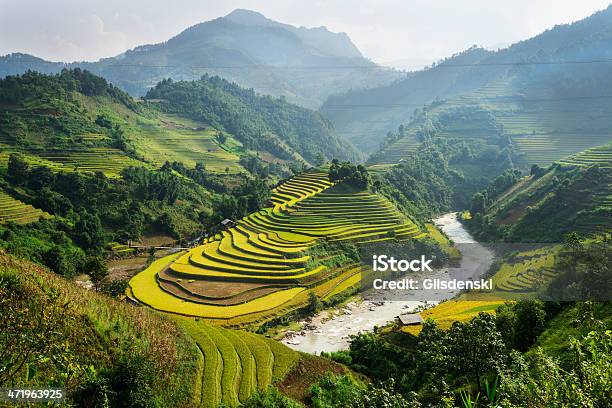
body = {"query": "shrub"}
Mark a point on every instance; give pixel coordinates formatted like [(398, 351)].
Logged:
[(270, 398)]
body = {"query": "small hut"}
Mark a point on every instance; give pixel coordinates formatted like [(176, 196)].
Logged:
[(227, 223), (410, 319)]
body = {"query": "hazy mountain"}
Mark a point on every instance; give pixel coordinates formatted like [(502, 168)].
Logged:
[(319, 38), (542, 82), (303, 64), (365, 115)]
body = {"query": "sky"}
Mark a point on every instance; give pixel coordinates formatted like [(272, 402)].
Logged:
[(402, 33)]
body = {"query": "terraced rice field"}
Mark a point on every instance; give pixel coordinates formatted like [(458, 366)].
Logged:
[(259, 267), (527, 272), (236, 363), (109, 161), (176, 139), (17, 211), (600, 219), (543, 128), (600, 156), (546, 148), (446, 313), (399, 150)]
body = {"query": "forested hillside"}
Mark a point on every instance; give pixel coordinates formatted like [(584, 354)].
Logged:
[(364, 116), (305, 65), (547, 94), (191, 247), (259, 122), (434, 174)]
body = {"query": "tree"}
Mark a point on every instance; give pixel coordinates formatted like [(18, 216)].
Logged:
[(572, 241), (88, 232), (40, 177), (356, 176), (221, 138), (58, 261), (18, 169), (479, 203), (505, 321), (476, 348), (97, 269), (529, 324), (314, 304), (537, 171), (319, 159)]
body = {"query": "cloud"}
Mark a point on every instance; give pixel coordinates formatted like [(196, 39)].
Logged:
[(88, 39)]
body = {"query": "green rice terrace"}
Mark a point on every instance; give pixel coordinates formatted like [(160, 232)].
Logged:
[(107, 160), (526, 271), (156, 140), (173, 138), (600, 156), (530, 210), (14, 210), (236, 364), (261, 267)]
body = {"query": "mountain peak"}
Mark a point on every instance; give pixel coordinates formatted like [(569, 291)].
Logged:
[(247, 17)]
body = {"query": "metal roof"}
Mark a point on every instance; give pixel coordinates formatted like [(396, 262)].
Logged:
[(410, 319)]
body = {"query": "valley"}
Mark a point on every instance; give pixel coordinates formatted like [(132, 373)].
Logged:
[(193, 222), (380, 309)]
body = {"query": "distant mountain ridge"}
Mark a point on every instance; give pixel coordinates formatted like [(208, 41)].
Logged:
[(305, 65), (552, 65), (320, 38)]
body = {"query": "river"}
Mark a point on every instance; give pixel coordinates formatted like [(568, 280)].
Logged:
[(330, 331)]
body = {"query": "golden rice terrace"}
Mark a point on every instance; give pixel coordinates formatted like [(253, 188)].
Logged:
[(260, 268)]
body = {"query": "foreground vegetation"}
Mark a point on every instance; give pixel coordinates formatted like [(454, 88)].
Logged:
[(99, 350)]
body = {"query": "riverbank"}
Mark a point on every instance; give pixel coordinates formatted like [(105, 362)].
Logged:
[(330, 330)]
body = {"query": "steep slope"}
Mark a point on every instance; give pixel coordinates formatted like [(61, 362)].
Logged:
[(304, 65), (550, 89), (571, 196), (109, 351), (56, 334), (364, 116), (76, 121), (318, 38)]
